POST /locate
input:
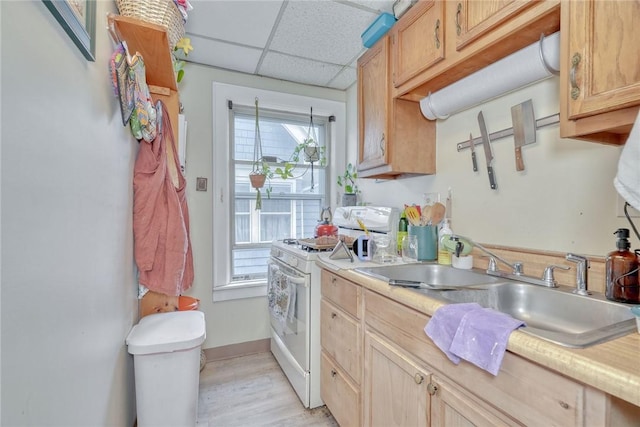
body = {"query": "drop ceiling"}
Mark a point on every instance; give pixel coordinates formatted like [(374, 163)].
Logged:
[(314, 42)]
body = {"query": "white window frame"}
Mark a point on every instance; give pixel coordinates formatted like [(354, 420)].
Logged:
[(223, 288)]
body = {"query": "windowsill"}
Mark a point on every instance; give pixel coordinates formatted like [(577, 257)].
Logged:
[(242, 290)]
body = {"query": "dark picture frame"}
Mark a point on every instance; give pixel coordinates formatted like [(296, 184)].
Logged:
[(78, 18)]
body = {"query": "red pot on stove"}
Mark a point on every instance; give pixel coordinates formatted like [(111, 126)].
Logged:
[(325, 227)]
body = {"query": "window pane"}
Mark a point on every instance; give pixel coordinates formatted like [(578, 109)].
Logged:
[(249, 264), (293, 208)]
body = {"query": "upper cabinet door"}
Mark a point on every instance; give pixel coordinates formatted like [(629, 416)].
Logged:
[(373, 105), (418, 40), (475, 18), (603, 55)]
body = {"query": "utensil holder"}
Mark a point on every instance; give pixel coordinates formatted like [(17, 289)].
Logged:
[(427, 236)]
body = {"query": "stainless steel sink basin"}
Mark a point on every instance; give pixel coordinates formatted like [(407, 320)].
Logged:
[(430, 275), (556, 315)]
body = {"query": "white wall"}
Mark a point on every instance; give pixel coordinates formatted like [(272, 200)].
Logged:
[(228, 322), (68, 279), (563, 201)]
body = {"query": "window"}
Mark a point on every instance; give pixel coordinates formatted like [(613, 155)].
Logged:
[(241, 236), (292, 209)]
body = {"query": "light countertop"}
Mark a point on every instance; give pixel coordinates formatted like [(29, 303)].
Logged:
[(613, 366)]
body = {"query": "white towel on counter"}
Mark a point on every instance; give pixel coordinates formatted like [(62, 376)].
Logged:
[(627, 181)]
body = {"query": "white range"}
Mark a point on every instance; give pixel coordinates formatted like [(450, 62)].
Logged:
[(294, 299)]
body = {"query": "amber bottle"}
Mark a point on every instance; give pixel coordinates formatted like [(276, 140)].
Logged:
[(622, 271)]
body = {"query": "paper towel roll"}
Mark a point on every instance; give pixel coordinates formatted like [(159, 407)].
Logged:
[(627, 180), (531, 64)]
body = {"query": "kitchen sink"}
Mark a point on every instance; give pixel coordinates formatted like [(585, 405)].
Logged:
[(554, 314), (432, 276), (557, 314)]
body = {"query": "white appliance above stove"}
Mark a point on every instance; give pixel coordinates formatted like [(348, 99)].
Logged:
[(376, 218)]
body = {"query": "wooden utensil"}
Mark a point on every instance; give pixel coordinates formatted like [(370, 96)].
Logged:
[(437, 213), (413, 215), (425, 216)]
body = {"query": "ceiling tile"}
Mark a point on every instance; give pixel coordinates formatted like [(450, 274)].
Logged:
[(378, 5), (245, 22), (346, 78), (224, 55), (323, 30), (297, 69), (318, 41)]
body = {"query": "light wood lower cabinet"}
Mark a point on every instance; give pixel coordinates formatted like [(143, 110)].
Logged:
[(380, 369), (339, 392), (395, 387), (341, 342), (452, 407)]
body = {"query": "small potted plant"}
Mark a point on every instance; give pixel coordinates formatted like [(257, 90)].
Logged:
[(348, 181), (259, 175)]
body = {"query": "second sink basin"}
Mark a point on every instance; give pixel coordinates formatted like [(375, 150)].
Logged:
[(556, 315)]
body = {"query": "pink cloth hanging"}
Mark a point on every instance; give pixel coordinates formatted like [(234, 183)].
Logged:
[(162, 247)]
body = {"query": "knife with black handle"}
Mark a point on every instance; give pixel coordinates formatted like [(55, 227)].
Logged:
[(473, 153), (486, 142)]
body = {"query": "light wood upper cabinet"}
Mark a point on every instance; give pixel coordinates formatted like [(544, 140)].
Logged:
[(600, 80), (394, 138), (474, 33), (374, 105), (417, 40), (474, 19)]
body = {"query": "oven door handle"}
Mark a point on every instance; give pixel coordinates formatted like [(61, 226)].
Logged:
[(298, 281), (294, 275)]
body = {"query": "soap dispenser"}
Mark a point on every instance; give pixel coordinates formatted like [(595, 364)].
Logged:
[(622, 271), (444, 256)]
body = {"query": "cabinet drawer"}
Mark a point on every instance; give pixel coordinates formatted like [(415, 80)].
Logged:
[(342, 293), (527, 392), (340, 337), (339, 394)]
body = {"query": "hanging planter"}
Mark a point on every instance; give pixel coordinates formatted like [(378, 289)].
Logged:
[(257, 179), (260, 171), (311, 152)]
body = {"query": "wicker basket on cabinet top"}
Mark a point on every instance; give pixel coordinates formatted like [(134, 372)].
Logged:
[(160, 12)]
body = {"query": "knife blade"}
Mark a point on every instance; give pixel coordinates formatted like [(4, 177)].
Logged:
[(524, 129), (473, 153), (486, 142)]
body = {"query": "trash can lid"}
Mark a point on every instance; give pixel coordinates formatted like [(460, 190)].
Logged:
[(167, 332)]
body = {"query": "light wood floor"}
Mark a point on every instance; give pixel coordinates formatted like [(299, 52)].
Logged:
[(253, 391)]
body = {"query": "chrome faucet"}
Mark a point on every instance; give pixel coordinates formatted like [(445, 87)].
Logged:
[(581, 272), (517, 269)]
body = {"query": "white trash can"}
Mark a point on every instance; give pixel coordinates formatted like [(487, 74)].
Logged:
[(166, 355)]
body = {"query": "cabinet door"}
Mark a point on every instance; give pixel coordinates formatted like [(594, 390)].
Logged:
[(603, 55), (451, 407), (417, 40), (373, 105), (395, 387), (474, 18)]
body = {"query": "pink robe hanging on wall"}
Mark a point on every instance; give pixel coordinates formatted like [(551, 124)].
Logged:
[(162, 247)]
